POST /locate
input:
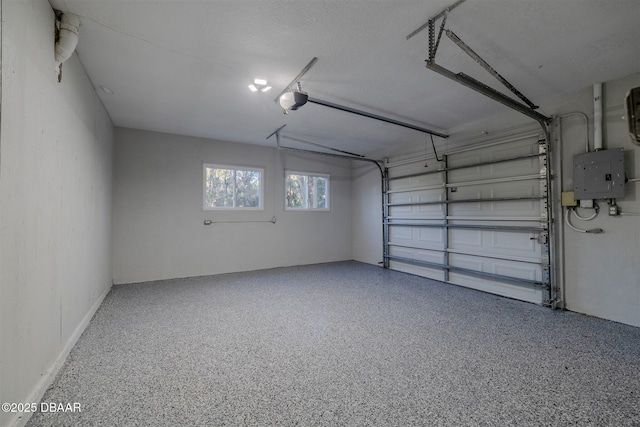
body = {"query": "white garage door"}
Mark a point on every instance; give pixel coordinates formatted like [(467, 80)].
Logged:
[(479, 218)]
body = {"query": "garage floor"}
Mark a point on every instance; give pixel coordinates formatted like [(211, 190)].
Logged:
[(342, 344)]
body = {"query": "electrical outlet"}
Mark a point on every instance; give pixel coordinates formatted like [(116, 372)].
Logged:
[(613, 210)]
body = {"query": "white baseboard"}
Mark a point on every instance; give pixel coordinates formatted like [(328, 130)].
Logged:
[(20, 419)]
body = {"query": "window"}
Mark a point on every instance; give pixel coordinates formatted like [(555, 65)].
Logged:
[(306, 191), (229, 187)]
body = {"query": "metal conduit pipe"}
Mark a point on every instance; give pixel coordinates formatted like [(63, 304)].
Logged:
[(597, 117), (586, 123)]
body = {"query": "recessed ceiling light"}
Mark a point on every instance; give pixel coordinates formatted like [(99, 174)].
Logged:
[(259, 85)]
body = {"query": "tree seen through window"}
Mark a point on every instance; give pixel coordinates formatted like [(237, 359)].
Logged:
[(304, 191), (232, 188)]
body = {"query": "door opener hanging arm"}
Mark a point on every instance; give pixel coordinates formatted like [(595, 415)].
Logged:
[(462, 45), (528, 109)]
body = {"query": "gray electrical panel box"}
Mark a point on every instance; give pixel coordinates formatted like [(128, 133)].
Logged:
[(599, 174)]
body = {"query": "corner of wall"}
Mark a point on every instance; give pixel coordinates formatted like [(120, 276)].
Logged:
[(55, 249)]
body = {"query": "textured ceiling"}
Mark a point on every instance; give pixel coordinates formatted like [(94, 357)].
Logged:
[(183, 66)]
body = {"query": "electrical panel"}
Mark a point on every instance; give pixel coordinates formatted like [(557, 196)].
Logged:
[(599, 174)]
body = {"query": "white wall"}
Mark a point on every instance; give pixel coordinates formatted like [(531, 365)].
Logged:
[(55, 203), (601, 271), (158, 215)]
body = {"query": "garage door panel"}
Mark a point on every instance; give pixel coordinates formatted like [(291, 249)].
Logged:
[(430, 273), (515, 269), (522, 271), (466, 239), (495, 287), (465, 175), (529, 188), (531, 164), (418, 255), (426, 255), (417, 236), (415, 181), (431, 235), (520, 242), (467, 208), (401, 235), (468, 262), (522, 167), (487, 236), (430, 211), (531, 254), (468, 158), (502, 243)]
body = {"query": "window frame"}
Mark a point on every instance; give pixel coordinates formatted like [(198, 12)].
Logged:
[(235, 168), (309, 175)]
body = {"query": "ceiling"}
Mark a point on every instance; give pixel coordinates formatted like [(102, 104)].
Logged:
[(183, 66)]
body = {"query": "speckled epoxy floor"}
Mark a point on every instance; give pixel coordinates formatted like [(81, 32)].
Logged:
[(342, 344)]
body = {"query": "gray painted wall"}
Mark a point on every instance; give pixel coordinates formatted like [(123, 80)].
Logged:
[(158, 215), (55, 204), (601, 271)]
